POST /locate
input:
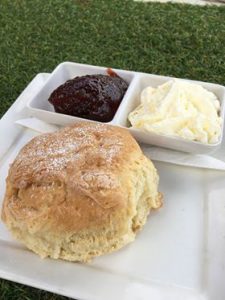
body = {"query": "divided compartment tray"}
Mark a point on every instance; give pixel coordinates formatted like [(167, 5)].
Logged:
[(39, 106)]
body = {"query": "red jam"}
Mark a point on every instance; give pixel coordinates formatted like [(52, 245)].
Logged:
[(93, 97)]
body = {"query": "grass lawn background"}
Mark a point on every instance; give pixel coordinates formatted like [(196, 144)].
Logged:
[(175, 40)]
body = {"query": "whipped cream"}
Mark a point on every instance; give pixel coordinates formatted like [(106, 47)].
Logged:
[(179, 108)]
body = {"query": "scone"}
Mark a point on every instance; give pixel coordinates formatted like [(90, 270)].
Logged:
[(80, 192)]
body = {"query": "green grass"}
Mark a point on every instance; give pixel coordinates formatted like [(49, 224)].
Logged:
[(14, 291), (177, 40), (35, 36)]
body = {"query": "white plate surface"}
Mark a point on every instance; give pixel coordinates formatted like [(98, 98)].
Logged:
[(180, 254)]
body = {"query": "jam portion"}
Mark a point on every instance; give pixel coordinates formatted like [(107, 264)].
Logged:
[(93, 97)]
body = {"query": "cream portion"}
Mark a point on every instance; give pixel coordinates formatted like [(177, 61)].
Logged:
[(179, 108)]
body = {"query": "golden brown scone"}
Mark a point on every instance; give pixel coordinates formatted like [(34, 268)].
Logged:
[(80, 192)]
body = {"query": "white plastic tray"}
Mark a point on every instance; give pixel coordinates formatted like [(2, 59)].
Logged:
[(39, 106), (180, 254)]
